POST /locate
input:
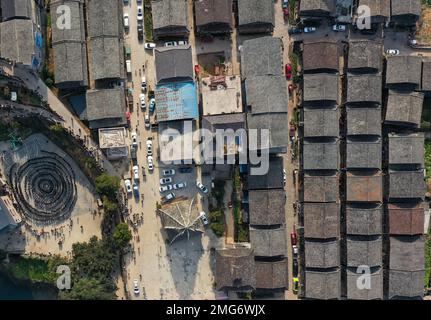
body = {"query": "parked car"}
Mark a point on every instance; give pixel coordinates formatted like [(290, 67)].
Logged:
[(186, 169), (293, 238), (309, 29), (295, 268), (142, 99), (152, 104), (288, 71), (171, 44), (169, 172), (136, 173), (134, 137), (135, 287), (204, 218), (128, 185), (392, 52), (165, 188), (165, 180), (295, 30), (129, 66), (147, 121), (284, 176), (339, 27), (140, 32), (201, 187), (149, 45), (295, 251), (136, 190), (182, 43), (126, 21), (285, 4), (170, 196), (140, 16), (143, 83), (149, 148), (150, 163), (295, 286), (180, 185)]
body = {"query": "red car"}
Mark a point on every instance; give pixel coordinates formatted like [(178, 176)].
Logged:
[(288, 71), (293, 238)]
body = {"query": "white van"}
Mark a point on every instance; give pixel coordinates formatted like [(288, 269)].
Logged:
[(129, 66)]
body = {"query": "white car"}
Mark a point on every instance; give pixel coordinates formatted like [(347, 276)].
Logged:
[(392, 52), (180, 185), (284, 176), (147, 121), (129, 66), (136, 287), (165, 188), (165, 181), (309, 29), (182, 43), (171, 44), (204, 218), (134, 139), (201, 187), (142, 98), (150, 163), (339, 27), (149, 45), (143, 83), (169, 172), (140, 13), (136, 173), (295, 251), (149, 147), (170, 196), (128, 185), (126, 20)]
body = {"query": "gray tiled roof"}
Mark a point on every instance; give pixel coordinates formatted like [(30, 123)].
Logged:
[(107, 58), (403, 7), (321, 220), (255, 12), (404, 69), (405, 108), (364, 221), (407, 184), (16, 8), (106, 104), (426, 75), (364, 154), (373, 293), (321, 54), (366, 53), (169, 14), (321, 87), (322, 254), (406, 149), (273, 179), (323, 285), (266, 207), (268, 242), (364, 188), (364, 88), (174, 62), (407, 253), (327, 6), (364, 121), (271, 275), (364, 252), (406, 284), (320, 155), (319, 188), (104, 18), (321, 123), (213, 12)]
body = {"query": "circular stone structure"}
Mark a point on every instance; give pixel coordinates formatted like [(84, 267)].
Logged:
[(44, 188)]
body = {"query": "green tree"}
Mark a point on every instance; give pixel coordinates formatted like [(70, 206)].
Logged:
[(122, 235), (107, 185), (109, 206), (88, 289), (57, 128)]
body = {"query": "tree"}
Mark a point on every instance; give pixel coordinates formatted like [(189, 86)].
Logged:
[(122, 235), (57, 128), (107, 185), (109, 206), (88, 289)]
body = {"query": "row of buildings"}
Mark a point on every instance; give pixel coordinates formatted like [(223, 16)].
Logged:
[(398, 12), (362, 183)]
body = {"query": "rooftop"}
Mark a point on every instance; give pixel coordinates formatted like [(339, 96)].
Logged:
[(321, 55), (104, 18), (364, 252), (406, 149), (426, 75), (213, 12), (271, 275), (16, 8), (364, 188), (405, 108), (268, 242), (112, 138), (169, 14), (364, 121), (320, 156), (406, 284), (319, 188), (406, 7), (407, 253), (321, 220), (261, 56), (366, 54), (266, 207), (404, 70), (273, 101), (321, 6), (255, 12), (364, 221), (406, 184), (106, 104), (107, 58), (324, 285), (376, 289), (322, 254), (378, 7), (364, 88), (321, 123), (176, 101), (321, 87), (406, 218), (273, 179), (235, 268), (364, 155), (174, 63), (225, 98)]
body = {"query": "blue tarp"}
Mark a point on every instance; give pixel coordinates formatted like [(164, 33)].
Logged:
[(176, 101)]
